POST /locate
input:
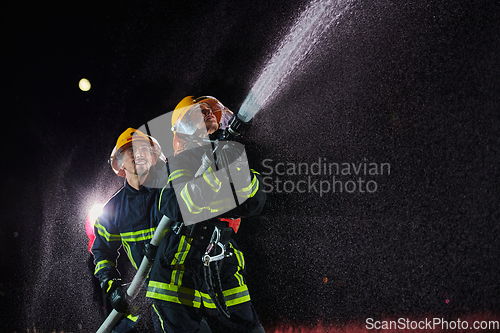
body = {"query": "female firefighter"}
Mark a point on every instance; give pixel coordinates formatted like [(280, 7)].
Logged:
[(199, 270)]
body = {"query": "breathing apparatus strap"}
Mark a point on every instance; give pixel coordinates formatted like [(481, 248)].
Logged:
[(215, 292)]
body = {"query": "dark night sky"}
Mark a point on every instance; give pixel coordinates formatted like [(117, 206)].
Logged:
[(410, 83)]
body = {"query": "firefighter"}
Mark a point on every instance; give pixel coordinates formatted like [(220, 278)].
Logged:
[(199, 270), (129, 218)]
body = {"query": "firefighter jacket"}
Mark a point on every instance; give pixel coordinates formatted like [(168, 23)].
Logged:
[(128, 219), (176, 279)]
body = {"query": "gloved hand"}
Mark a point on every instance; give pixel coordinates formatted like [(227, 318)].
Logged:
[(117, 294), (232, 157), (150, 252)]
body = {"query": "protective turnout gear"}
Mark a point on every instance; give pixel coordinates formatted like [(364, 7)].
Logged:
[(199, 268), (117, 294), (129, 219), (126, 140)]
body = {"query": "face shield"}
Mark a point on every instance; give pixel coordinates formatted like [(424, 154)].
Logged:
[(195, 119), (130, 144)]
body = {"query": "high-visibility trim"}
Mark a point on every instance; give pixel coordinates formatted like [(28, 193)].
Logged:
[(182, 250), (159, 200), (239, 256), (212, 180), (110, 284), (104, 233), (132, 317), (138, 236), (128, 251), (250, 190), (208, 301), (159, 318), (180, 173), (221, 205), (241, 264), (253, 171), (103, 264), (240, 279), (179, 259), (193, 209), (236, 295), (174, 294), (135, 236)]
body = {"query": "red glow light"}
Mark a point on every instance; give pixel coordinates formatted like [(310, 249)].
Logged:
[(92, 216)]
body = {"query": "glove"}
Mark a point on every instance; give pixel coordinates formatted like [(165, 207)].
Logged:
[(233, 157), (150, 252), (117, 294)]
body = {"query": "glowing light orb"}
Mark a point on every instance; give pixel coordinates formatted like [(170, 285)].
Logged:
[(84, 84), (325, 279), (447, 301)]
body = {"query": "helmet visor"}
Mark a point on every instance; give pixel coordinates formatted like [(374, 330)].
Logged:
[(194, 119)]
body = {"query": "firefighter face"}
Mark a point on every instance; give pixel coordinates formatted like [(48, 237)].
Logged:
[(208, 117), (138, 158)]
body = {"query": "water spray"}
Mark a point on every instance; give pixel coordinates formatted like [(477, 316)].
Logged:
[(318, 17), (295, 48)]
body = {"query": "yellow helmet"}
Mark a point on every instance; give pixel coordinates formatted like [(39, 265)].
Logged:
[(182, 125), (124, 141)]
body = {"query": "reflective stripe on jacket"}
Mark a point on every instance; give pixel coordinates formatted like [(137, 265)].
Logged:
[(129, 219)]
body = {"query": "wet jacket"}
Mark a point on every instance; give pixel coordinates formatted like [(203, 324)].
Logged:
[(176, 278), (128, 219)]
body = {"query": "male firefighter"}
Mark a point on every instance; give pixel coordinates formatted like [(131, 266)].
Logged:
[(199, 270), (130, 217)]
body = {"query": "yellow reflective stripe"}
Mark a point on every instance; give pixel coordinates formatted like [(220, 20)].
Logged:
[(132, 317), (241, 264), (232, 297), (179, 173), (253, 171), (177, 274), (138, 236), (159, 200), (236, 295), (159, 318), (179, 258), (221, 205), (110, 283), (212, 180), (207, 301), (250, 190), (103, 264), (175, 294), (104, 233), (182, 250), (193, 209), (191, 297), (239, 277), (129, 254)]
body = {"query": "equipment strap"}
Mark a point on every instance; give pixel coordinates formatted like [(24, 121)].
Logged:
[(215, 292)]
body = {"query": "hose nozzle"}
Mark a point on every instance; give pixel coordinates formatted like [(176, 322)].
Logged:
[(235, 128)]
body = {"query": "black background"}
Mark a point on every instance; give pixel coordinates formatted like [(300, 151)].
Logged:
[(410, 83)]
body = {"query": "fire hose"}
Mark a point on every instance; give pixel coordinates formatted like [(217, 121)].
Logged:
[(139, 278)]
